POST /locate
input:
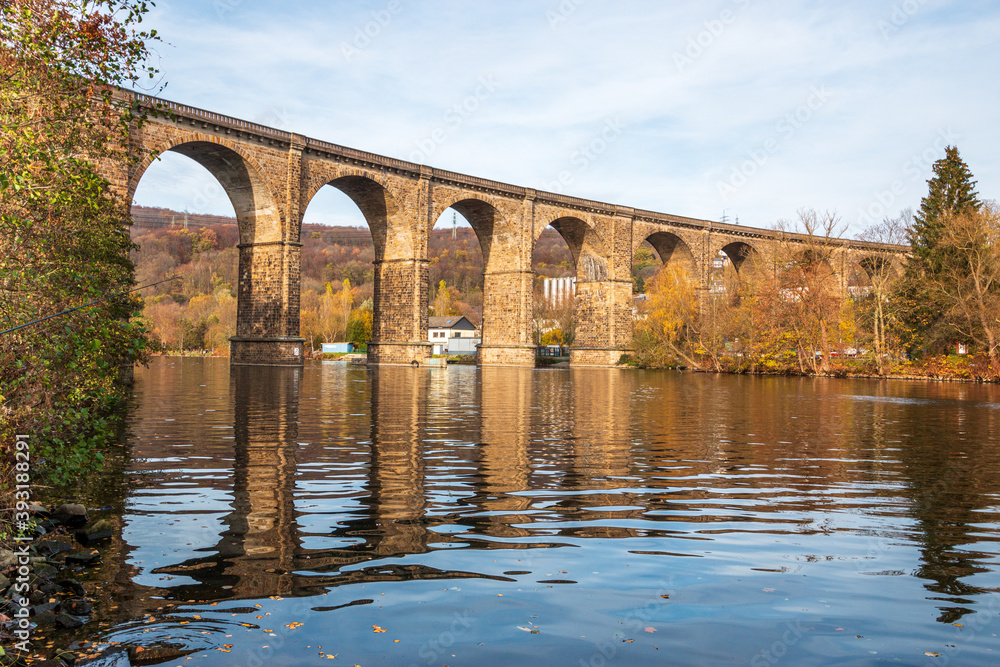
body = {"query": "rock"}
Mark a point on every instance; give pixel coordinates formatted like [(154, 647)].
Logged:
[(4, 582), (45, 571), (103, 524), (72, 587), (76, 607), (7, 558), (73, 515), (85, 558), (69, 621), (49, 588), (52, 547), (47, 526), (39, 510), (91, 536), (45, 619), (40, 608)]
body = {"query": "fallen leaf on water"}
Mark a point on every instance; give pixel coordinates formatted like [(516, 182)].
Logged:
[(958, 625), (768, 590), (294, 625), (650, 629), (665, 597), (378, 629), (932, 654)]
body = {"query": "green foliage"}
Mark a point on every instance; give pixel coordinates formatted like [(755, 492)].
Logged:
[(951, 192), (359, 325), (63, 234)]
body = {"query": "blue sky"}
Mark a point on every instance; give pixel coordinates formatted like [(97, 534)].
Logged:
[(750, 108)]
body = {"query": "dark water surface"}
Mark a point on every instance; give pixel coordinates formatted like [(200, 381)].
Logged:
[(564, 517)]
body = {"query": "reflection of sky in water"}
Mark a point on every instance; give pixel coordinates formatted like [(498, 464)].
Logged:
[(499, 518)]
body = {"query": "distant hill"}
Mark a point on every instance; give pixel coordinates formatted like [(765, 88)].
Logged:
[(198, 311)]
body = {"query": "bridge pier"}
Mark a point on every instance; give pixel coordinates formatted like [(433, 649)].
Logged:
[(399, 325), (507, 311), (603, 322), (267, 315)]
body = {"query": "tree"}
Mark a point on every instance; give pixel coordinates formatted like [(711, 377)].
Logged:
[(811, 293), (359, 326), (881, 306), (671, 312), (63, 232), (969, 284), (951, 192), (442, 302)]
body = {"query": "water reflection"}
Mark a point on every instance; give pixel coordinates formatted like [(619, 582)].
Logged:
[(841, 495)]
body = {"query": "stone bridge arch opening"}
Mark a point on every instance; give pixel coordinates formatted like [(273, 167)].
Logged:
[(672, 252), (503, 334), (592, 280), (386, 296), (456, 249), (243, 285), (742, 256), (553, 267)]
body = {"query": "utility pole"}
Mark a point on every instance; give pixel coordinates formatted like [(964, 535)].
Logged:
[(454, 226)]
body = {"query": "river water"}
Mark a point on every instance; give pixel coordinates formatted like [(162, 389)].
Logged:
[(406, 516)]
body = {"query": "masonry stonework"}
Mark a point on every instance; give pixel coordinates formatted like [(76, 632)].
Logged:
[(271, 176)]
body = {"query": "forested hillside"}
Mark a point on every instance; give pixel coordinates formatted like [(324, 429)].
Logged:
[(198, 311)]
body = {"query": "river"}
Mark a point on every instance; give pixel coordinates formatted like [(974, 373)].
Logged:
[(459, 516)]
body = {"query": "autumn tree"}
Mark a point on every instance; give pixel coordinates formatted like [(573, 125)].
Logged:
[(880, 308), (63, 233), (968, 284), (443, 301), (667, 328), (359, 324), (811, 290)]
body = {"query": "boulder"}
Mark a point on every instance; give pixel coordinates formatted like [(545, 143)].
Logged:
[(72, 515), (76, 607)]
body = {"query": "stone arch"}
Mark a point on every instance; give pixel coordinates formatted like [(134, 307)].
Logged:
[(875, 265), (378, 206), (672, 250), (740, 253), (585, 244), (240, 176), (487, 221)]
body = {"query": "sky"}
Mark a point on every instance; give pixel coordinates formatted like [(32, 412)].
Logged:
[(747, 110)]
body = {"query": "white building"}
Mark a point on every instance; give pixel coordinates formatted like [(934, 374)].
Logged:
[(452, 335), (558, 290)]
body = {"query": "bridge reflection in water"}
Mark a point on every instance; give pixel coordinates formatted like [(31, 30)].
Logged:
[(337, 476), (262, 550)]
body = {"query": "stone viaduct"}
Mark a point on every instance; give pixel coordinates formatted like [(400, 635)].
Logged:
[(271, 176)]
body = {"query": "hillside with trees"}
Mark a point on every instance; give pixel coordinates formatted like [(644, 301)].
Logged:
[(198, 311)]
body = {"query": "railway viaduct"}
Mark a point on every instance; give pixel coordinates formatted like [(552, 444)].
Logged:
[(271, 175)]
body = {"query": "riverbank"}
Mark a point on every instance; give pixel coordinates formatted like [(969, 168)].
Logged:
[(949, 368)]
